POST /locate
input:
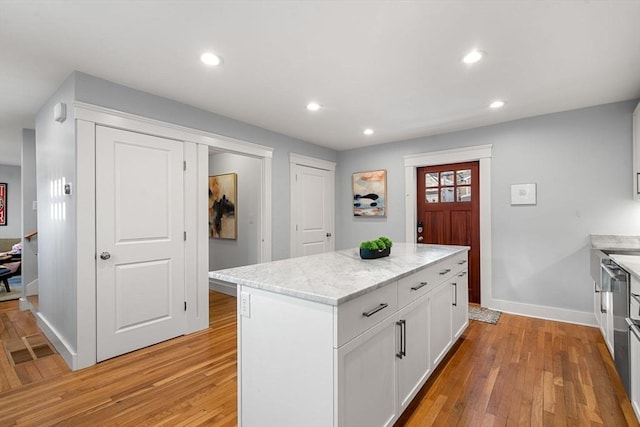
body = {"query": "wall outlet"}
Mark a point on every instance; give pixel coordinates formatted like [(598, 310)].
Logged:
[(245, 304)]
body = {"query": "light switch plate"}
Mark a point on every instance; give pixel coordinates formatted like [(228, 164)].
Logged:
[(245, 304)]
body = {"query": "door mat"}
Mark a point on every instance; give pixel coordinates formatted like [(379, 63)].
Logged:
[(484, 314), (26, 349)]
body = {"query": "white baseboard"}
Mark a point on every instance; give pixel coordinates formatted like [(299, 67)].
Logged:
[(223, 287), (62, 347), (543, 312), (32, 288)]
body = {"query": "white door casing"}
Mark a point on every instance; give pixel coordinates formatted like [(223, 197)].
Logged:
[(139, 230), (312, 206)]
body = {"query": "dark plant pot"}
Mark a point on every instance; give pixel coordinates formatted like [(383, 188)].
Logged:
[(373, 254)]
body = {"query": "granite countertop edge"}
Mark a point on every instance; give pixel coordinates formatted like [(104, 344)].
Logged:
[(630, 263), (612, 242), (233, 275)]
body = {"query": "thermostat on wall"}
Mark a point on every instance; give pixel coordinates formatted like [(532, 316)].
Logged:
[(60, 112)]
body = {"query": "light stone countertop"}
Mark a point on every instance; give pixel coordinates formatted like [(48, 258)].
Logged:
[(336, 277), (615, 242), (630, 263)]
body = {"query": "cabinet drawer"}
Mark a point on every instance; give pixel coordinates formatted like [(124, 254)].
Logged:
[(412, 287), (360, 314), (451, 266)]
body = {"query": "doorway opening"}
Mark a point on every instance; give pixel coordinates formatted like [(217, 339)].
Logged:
[(448, 202), (481, 154)]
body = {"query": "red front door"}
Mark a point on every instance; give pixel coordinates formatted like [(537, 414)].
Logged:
[(449, 212)]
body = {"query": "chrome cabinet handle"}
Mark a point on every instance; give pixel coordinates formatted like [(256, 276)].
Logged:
[(455, 302), (637, 298), (421, 285), (634, 328), (105, 255), (442, 273), (328, 234), (462, 274), (464, 261), (375, 310), (403, 339)]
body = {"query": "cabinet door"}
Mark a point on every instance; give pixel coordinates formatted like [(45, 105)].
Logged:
[(440, 322), (597, 306), (413, 363), (634, 359), (460, 303), (367, 393), (608, 321)]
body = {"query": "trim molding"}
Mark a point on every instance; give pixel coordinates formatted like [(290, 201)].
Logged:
[(223, 287), (311, 162), (63, 348), (543, 312), (481, 153), (128, 121)]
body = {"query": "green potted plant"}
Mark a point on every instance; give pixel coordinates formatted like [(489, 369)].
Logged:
[(371, 249)]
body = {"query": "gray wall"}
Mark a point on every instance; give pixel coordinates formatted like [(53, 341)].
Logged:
[(11, 175), (581, 162), (243, 251), (29, 216), (55, 155), (111, 95)]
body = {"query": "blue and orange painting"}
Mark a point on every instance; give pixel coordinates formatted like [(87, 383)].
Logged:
[(369, 193)]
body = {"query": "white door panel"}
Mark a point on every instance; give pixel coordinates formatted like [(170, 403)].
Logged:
[(313, 199), (140, 225)]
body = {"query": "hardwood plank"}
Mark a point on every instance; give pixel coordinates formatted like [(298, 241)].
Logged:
[(519, 372)]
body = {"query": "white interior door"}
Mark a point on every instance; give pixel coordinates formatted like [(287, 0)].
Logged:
[(313, 209), (139, 241)]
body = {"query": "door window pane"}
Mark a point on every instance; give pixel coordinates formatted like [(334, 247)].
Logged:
[(446, 178), (446, 194), (432, 195), (463, 177), (463, 194), (431, 179)]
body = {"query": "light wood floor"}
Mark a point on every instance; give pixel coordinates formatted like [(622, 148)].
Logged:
[(521, 371)]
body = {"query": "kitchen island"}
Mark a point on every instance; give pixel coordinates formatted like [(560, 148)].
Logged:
[(334, 340)]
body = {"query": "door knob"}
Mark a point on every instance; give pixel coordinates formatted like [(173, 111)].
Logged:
[(105, 255), (328, 234)]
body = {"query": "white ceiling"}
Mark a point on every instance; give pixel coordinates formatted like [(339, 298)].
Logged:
[(392, 66)]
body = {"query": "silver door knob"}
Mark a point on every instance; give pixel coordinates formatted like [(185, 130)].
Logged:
[(328, 234), (105, 255)]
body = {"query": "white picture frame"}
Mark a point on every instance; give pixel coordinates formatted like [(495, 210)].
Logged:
[(523, 194)]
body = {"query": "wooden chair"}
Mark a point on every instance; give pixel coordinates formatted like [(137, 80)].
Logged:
[(6, 274)]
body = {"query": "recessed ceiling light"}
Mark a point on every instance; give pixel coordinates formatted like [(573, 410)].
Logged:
[(313, 106), (211, 59), (473, 57), (497, 104), (368, 131)]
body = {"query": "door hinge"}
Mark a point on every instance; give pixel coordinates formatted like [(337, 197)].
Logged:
[(184, 165), (185, 306), (185, 236), (296, 227)]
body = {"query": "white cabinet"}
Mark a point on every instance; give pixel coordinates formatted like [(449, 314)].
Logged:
[(607, 319), (412, 352), (636, 153), (366, 384), (603, 311), (634, 359), (359, 363), (460, 315), (597, 306), (440, 330)]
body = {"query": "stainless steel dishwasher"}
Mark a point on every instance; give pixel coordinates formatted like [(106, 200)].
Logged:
[(617, 279)]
